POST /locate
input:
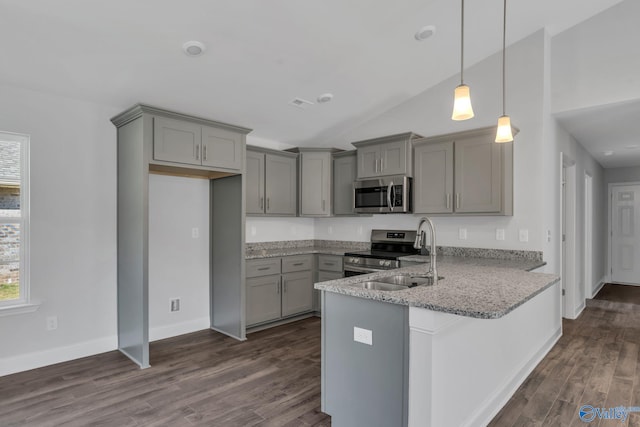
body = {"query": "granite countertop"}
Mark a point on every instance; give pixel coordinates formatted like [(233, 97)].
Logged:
[(472, 287), (277, 252), (518, 264)]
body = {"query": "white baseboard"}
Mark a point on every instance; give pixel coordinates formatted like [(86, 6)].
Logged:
[(598, 287), (497, 400), (25, 362), (175, 329)]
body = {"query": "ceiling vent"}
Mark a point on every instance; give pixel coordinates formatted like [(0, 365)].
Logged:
[(300, 103)]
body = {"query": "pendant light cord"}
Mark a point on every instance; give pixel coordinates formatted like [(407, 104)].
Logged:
[(462, 43), (504, 54)]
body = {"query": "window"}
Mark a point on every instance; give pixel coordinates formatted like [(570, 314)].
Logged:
[(14, 220)]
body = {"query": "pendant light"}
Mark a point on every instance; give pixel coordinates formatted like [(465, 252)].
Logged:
[(462, 99), (503, 133)]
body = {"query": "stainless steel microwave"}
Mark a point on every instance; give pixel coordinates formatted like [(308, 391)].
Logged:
[(387, 194)]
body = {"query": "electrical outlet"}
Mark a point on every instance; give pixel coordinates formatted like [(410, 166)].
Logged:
[(330, 229), (364, 336), (52, 323), (175, 304), (195, 232), (524, 235), (462, 233), (499, 233), (548, 236)]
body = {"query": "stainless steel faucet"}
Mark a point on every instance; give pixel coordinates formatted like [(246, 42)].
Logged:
[(420, 243)]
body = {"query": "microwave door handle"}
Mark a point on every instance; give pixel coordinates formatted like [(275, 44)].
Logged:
[(389, 190)]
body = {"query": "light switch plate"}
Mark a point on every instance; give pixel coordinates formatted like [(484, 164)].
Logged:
[(462, 233), (499, 233), (195, 232), (524, 235), (364, 336)]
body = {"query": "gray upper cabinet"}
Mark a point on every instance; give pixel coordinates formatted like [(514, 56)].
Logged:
[(389, 155), (188, 143), (463, 173), (271, 184), (315, 181), (344, 173), (433, 178), (176, 141)]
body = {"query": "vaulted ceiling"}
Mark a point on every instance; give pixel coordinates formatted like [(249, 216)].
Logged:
[(260, 54)]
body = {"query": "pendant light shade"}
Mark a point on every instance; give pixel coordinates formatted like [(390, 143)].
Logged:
[(504, 133), (462, 109)]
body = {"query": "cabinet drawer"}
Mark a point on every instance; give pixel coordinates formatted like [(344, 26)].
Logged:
[(263, 267), (297, 263), (330, 263), (323, 276)]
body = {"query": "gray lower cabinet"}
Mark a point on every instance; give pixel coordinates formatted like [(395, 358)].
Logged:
[(329, 268), (364, 384), (344, 174), (188, 143), (278, 287), (271, 183), (463, 173)]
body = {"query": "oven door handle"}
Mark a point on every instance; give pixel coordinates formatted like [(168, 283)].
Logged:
[(389, 201), (364, 270)]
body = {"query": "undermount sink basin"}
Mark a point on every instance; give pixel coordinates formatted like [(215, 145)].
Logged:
[(379, 286), (409, 281)]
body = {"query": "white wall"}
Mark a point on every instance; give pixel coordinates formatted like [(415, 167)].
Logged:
[(73, 229), (178, 262), (597, 62), (614, 175)]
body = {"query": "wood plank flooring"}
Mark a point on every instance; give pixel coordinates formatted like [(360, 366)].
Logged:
[(596, 362), (201, 379), (273, 379)]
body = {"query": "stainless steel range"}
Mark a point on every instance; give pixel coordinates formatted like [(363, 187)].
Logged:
[(386, 247)]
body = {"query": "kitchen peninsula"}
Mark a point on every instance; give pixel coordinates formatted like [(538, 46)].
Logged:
[(450, 354)]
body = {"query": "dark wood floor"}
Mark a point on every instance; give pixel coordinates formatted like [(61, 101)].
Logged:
[(596, 362), (273, 379), (204, 378)]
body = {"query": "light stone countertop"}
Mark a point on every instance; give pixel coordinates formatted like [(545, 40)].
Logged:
[(278, 252), (473, 287)]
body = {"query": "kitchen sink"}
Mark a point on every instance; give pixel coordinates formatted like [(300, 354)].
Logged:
[(408, 281), (379, 286)]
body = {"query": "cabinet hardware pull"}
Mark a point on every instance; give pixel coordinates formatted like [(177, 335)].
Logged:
[(267, 203), (263, 268), (448, 200), (197, 151), (298, 263), (261, 203), (457, 200), (204, 152), (329, 263), (278, 288), (323, 205)]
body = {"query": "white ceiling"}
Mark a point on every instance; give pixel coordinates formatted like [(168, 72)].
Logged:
[(260, 54), (614, 128)]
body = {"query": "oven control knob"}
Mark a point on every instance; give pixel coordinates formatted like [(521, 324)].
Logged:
[(354, 260), (387, 263), (381, 262)]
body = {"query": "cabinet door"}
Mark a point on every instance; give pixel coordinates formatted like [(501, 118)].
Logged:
[(280, 185), (263, 299), (297, 292), (315, 181), (478, 175), (255, 182), (368, 161), (433, 178), (221, 148), (393, 158), (344, 173), (176, 141)]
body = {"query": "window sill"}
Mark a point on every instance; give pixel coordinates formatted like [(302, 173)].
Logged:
[(18, 309)]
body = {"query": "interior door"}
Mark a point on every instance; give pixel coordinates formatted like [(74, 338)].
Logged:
[(625, 236)]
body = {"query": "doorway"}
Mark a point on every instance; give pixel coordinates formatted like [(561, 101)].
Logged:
[(588, 236), (570, 308), (624, 245)]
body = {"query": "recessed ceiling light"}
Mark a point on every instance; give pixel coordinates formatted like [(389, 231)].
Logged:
[(425, 32), (300, 103), (193, 48), (325, 97), (608, 153)]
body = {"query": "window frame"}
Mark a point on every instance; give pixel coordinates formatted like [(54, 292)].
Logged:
[(24, 303)]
